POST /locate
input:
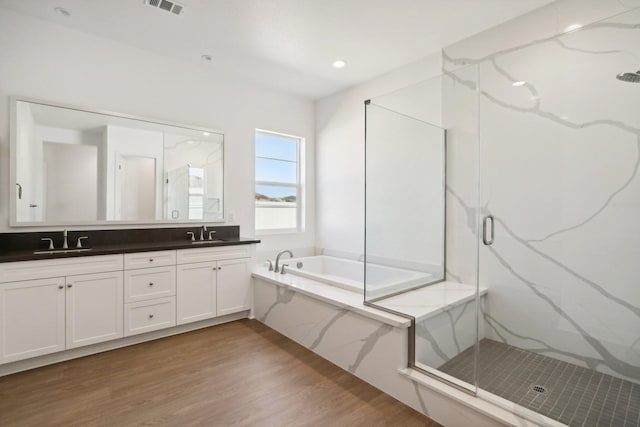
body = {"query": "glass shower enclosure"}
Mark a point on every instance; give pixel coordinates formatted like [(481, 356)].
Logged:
[(502, 207)]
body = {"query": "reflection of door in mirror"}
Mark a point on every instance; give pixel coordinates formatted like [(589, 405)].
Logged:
[(70, 181), (185, 193), (135, 188), (194, 177), (196, 193)]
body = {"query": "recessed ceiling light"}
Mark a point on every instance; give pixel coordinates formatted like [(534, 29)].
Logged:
[(206, 57), (62, 11), (572, 28), (206, 133), (519, 83), (339, 63)]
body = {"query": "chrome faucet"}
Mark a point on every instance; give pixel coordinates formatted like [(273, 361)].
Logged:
[(286, 251), (202, 231), (65, 244)]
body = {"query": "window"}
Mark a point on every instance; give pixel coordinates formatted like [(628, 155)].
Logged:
[(278, 185)]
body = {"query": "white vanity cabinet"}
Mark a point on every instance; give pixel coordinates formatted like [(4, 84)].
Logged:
[(52, 305), (197, 291), (149, 291), (234, 277), (32, 318), (94, 308), (212, 282)]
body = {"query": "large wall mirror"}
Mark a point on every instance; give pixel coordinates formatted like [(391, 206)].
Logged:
[(72, 166)]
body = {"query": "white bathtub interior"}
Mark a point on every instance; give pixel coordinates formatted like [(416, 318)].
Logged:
[(350, 274)]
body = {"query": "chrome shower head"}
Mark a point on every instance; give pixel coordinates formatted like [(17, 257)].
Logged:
[(629, 77)]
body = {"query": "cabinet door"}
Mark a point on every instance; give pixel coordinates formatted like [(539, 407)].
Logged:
[(196, 292), (94, 308), (233, 286), (31, 318)]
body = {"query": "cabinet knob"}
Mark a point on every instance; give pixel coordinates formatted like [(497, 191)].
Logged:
[(69, 285), (60, 287), (151, 284), (151, 316), (150, 259), (219, 268)]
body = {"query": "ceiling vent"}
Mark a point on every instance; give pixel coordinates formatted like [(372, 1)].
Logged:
[(166, 5)]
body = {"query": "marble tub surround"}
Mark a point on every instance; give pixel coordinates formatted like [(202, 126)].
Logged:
[(559, 156), (368, 346), (20, 246), (348, 300)]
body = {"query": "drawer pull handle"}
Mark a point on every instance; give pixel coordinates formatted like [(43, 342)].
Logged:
[(151, 316), (150, 259), (151, 284), (69, 285)]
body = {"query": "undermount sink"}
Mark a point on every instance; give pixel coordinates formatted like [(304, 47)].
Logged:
[(60, 251), (198, 242)]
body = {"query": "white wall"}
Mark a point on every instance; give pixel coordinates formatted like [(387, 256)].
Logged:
[(51, 62), (340, 156)]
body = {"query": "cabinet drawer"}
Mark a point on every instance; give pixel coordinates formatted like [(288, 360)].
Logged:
[(149, 259), (146, 316), (187, 256), (149, 283), (47, 268)]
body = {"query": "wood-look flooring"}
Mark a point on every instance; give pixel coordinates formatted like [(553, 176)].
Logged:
[(237, 374)]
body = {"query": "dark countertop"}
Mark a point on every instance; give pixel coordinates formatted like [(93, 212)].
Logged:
[(121, 249), (113, 248)]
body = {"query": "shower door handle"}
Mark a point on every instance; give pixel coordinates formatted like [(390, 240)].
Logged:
[(487, 230)]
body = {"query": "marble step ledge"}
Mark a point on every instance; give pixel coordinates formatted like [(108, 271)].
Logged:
[(432, 300)]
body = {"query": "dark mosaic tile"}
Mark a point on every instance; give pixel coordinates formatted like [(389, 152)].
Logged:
[(573, 395)]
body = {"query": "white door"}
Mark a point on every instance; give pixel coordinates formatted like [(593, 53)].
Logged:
[(31, 318), (135, 188), (233, 286), (94, 308), (196, 292), (71, 182)]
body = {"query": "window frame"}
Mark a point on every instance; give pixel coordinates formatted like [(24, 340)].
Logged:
[(299, 185)]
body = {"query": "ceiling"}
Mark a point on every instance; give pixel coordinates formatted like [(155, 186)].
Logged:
[(287, 44)]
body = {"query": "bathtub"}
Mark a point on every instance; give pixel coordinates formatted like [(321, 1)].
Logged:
[(349, 274)]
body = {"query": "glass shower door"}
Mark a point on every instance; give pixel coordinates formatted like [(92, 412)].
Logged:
[(559, 255)]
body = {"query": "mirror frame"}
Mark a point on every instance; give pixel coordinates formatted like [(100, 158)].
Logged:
[(13, 222)]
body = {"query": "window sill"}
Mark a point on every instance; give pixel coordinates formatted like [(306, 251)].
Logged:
[(278, 232)]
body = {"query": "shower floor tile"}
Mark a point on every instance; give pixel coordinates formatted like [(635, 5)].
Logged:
[(571, 394)]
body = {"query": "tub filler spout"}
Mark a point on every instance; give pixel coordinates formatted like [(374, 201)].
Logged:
[(286, 251)]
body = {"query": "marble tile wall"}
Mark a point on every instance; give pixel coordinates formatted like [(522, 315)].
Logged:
[(558, 162), (442, 337)]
